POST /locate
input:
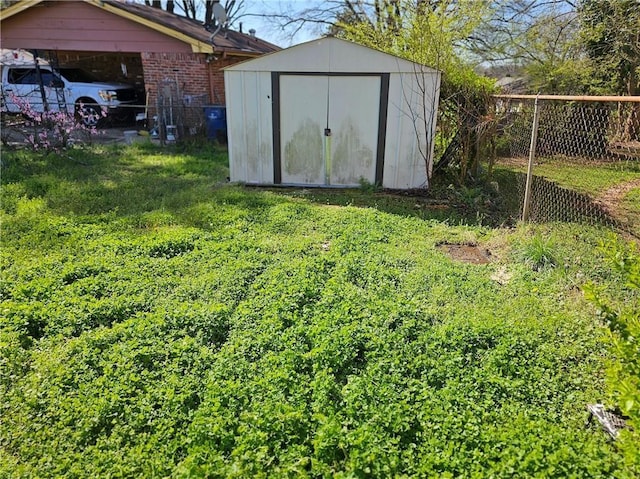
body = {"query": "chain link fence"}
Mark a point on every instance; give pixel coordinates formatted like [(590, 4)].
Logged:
[(554, 134)]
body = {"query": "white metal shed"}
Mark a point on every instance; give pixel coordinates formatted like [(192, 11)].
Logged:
[(331, 113)]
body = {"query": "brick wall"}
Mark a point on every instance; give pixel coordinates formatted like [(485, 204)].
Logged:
[(195, 75), (179, 76), (217, 77), (187, 70), (198, 78)]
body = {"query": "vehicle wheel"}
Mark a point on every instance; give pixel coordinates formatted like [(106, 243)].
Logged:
[(89, 115)]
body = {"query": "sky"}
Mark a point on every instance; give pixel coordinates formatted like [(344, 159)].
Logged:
[(253, 16), (267, 29)]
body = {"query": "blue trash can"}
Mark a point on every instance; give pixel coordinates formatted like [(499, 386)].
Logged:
[(216, 120)]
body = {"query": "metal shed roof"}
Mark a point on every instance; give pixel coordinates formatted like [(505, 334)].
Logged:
[(331, 55)]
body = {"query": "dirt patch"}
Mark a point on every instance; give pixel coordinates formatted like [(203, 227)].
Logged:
[(611, 198), (513, 162), (628, 148), (467, 253)]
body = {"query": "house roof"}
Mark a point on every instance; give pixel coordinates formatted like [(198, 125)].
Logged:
[(181, 28), (508, 84)]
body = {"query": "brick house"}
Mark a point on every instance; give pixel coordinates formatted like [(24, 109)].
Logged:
[(134, 43)]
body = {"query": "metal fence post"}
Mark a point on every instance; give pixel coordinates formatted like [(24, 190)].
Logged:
[(532, 155)]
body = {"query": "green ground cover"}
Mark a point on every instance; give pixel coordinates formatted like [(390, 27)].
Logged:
[(615, 184), (590, 178), (158, 322), (630, 206)]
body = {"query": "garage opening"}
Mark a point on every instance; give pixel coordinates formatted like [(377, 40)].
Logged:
[(108, 67)]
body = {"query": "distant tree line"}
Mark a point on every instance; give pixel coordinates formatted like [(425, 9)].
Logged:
[(562, 46)]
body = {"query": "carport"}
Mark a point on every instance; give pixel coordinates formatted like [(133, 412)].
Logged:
[(130, 42)]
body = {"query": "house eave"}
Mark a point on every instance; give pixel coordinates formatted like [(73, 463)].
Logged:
[(17, 8), (197, 46)]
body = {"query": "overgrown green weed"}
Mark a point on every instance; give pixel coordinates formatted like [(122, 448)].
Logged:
[(157, 321)]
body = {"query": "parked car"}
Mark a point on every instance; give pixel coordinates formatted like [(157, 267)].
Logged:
[(84, 94)]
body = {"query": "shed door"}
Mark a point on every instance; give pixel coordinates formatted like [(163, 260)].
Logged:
[(329, 129)]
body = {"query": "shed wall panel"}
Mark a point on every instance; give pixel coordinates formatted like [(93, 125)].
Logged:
[(353, 118), (303, 117), (249, 127), (407, 141)]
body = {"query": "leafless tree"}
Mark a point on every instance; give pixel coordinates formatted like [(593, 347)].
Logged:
[(515, 23), (202, 10), (326, 16)]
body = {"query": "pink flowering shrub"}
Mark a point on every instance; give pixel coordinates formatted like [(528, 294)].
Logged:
[(53, 130)]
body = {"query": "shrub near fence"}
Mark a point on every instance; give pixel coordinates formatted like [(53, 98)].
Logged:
[(589, 131)]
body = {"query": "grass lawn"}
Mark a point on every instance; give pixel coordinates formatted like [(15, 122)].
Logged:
[(591, 178), (616, 185), (157, 321), (630, 206)]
